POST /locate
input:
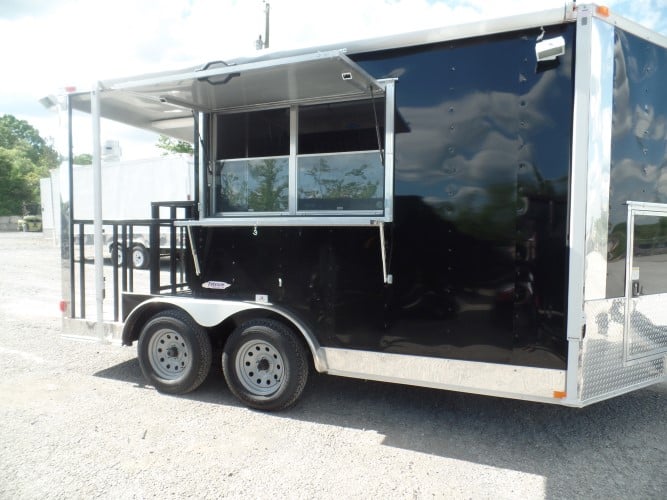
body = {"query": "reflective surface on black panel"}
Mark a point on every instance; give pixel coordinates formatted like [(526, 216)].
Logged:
[(479, 258), (477, 249), (329, 277), (639, 130)]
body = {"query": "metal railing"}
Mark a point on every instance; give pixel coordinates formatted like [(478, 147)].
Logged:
[(158, 240)]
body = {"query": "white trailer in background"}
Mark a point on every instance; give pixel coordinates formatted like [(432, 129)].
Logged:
[(129, 189)]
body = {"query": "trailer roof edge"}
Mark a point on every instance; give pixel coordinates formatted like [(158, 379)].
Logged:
[(567, 13)]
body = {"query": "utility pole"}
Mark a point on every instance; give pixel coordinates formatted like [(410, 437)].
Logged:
[(264, 44)]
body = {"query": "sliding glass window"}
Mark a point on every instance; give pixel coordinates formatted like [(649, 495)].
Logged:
[(252, 164), (339, 163), (307, 160)]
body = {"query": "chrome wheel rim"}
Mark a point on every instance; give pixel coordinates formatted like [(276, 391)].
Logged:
[(260, 368), (137, 257), (169, 354)]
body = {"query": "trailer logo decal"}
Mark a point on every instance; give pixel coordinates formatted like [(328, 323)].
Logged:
[(216, 285)]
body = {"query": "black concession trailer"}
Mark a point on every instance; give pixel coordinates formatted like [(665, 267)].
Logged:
[(478, 208)]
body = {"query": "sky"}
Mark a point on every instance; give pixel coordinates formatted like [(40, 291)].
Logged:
[(47, 45)]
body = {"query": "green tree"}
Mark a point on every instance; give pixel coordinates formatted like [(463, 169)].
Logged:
[(83, 159), (13, 188), (352, 184), (170, 145), (25, 157), (270, 195)]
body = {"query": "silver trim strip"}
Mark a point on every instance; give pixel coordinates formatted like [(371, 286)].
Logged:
[(293, 162), (629, 261), (599, 159), (389, 139), (590, 177), (285, 221), (518, 382), (632, 27), (577, 208)]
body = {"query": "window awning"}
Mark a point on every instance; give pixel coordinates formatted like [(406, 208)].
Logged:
[(164, 103)]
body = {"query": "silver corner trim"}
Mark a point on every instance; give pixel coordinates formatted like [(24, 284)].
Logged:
[(632, 27), (578, 197), (601, 91)]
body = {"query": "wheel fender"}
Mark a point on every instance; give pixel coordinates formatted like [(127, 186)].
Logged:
[(209, 313)]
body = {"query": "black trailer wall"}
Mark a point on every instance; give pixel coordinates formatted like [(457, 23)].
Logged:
[(478, 246), (638, 156)]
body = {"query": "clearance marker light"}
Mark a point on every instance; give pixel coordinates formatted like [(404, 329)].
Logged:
[(560, 394), (602, 10), (63, 306)]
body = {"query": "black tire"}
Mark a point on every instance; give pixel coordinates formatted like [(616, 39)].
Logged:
[(265, 365), (120, 254), (139, 256), (174, 352)]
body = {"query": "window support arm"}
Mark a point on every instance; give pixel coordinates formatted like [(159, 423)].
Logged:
[(388, 279)]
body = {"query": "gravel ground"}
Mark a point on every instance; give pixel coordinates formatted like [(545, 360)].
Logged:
[(78, 422)]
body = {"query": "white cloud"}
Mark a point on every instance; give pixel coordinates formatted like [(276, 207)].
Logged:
[(17, 9), (649, 13)]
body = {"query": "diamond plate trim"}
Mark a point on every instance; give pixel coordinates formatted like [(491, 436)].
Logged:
[(647, 328), (603, 372)]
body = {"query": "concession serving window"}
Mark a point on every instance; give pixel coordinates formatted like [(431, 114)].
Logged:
[(305, 139), (306, 160), (321, 154)]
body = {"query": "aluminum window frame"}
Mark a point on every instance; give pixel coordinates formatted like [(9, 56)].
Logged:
[(215, 186), (293, 217), (378, 212)]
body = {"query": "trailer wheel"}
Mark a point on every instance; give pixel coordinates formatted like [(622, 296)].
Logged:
[(120, 254), (174, 352), (139, 257), (265, 365)]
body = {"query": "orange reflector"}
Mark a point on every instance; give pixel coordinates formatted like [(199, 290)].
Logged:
[(560, 394), (602, 10)]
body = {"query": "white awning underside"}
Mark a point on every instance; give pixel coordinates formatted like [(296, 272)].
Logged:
[(165, 103)]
